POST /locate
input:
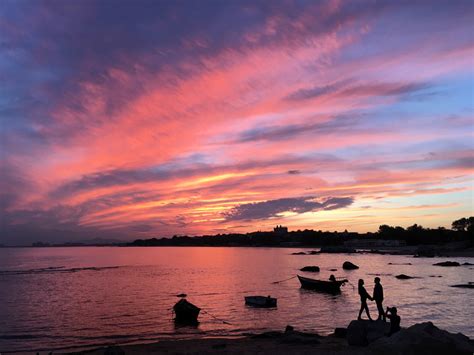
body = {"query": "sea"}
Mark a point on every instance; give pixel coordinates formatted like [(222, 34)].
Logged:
[(83, 297)]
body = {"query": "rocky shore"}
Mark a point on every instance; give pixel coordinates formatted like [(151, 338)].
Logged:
[(361, 337)]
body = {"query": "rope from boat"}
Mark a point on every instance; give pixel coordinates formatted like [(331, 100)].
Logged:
[(220, 320), (350, 283), (277, 282)]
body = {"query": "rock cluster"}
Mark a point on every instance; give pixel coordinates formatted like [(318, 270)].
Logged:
[(421, 338), (424, 338)]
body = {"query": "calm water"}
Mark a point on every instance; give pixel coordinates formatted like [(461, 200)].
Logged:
[(65, 297)]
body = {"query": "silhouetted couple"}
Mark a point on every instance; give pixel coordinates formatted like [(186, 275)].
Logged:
[(377, 297)]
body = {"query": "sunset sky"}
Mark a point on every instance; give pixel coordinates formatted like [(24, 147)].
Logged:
[(133, 119)]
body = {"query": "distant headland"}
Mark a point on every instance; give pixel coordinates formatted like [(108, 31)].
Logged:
[(386, 238), (411, 240)]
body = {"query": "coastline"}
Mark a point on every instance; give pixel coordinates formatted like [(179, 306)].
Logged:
[(439, 251), (419, 338), (243, 345)]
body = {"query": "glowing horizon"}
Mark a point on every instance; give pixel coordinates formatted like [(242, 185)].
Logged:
[(135, 120)]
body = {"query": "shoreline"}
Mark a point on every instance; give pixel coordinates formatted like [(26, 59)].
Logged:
[(361, 337), (438, 252)]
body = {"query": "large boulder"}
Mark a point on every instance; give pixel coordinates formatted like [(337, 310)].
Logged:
[(448, 263), (364, 332), (349, 266), (357, 333), (423, 338)]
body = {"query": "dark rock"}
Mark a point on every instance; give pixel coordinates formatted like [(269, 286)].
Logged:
[(399, 263), (448, 263), (299, 253), (340, 332), (363, 332), (349, 266), (423, 338), (310, 268), (289, 328), (181, 295), (436, 276), (405, 277), (468, 285), (467, 264), (313, 252), (332, 269), (357, 333)]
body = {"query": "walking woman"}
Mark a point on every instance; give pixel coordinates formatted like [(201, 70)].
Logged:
[(364, 295)]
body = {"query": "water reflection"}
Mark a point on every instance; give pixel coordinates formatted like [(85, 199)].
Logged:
[(100, 303)]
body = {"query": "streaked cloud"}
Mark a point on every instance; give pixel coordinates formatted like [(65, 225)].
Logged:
[(273, 208), (156, 118)]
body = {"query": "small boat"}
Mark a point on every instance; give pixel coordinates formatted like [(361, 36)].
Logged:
[(321, 285), (261, 301), (185, 312)]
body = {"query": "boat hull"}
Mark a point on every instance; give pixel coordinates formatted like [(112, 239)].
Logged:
[(320, 285), (261, 301), (185, 312)]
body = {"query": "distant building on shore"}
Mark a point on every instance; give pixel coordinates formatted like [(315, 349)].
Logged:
[(280, 230)]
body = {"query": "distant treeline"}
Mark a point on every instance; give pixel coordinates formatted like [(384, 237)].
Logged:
[(462, 230)]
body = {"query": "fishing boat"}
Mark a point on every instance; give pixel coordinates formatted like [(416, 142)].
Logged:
[(321, 285), (261, 301), (185, 312)]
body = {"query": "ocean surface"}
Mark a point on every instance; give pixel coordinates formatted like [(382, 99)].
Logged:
[(56, 298)]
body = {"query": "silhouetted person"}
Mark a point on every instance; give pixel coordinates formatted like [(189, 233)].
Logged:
[(363, 300), (332, 278), (394, 320), (378, 298)]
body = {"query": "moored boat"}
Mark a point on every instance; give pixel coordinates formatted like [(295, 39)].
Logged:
[(261, 301), (321, 285), (185, 312)]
